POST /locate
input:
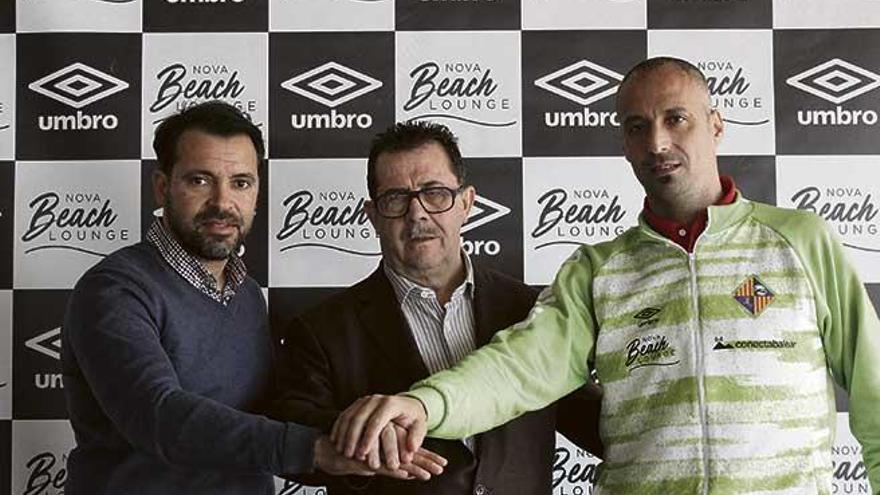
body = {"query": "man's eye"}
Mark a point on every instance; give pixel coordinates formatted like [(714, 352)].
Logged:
[(242, 184), (676, 119), (198, 180), (634, 128)]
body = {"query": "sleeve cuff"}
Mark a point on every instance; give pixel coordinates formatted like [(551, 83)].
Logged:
[(433, 402), (298, 454)]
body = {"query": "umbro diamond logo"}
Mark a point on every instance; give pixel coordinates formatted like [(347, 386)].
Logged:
[(836, 81), (582, 82), (47, 343), (647, 313), (331, 84), (78, 85), (484, 211)]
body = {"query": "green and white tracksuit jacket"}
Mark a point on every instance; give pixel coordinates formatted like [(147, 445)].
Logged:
[(716, 365)]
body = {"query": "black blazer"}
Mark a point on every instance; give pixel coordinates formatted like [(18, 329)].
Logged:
[(357, 343)]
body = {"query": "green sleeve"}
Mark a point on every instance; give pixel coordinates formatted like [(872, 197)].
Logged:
[(850, 332), (523, 368)]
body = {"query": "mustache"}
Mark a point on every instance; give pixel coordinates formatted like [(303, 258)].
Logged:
[(216, 214), (417, 230), (658, 158)]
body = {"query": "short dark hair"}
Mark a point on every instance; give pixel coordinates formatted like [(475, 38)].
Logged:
[(405, 136), (214, 117), (655, 63)]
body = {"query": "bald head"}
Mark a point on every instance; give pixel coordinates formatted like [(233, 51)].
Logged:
[(647, 68)]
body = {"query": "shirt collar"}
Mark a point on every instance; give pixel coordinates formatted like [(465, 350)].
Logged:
[(404, 287), (685, 235), (191, 269)]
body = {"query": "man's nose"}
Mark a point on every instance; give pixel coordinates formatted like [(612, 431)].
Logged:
[(416, 210), (221, 195), (659, 139)]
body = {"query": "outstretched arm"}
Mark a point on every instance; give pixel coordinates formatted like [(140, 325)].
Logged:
[(522, 369)]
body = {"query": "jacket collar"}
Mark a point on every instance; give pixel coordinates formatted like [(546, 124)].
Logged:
[(380, 315), (720, 217)]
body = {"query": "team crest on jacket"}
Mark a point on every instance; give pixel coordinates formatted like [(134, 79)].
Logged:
[(753, 295)]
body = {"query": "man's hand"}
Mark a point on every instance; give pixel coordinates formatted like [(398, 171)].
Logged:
[(425, 464), (392, 441), (357, 430)]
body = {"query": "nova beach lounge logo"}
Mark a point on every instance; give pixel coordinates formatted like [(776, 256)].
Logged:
[(77, 86), (850, 210), (457, 91), (326, 219), (583, 83), (836, 81), (850, 473), (649, 350), (574, 217), (46, 474), (182, 86), (60, 219), (729, 90), (331, 84)]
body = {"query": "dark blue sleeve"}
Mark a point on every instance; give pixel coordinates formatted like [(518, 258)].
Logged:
[(111, 329)]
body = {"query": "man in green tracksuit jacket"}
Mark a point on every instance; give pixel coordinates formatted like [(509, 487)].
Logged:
[(715, 327)]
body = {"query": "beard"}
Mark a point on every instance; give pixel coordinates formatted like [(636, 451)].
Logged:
[(202, 245)]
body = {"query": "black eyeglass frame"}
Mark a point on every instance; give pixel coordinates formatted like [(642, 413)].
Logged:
[(417, 194)]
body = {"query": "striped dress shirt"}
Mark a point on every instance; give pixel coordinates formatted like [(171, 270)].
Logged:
[(444, 334)]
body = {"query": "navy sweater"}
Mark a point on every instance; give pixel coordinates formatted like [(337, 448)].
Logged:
[(158, 377)]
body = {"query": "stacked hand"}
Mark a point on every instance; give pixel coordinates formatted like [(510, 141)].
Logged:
[(393, 426)]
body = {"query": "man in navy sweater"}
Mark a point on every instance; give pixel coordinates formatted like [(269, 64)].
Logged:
[(166, 351)]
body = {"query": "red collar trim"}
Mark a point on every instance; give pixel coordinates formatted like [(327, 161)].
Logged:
[(686, 235)]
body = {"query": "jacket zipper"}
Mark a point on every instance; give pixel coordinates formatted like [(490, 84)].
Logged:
[(698, 356), (701, 371)]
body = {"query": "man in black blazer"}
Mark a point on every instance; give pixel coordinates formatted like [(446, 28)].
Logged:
[(422, 310)]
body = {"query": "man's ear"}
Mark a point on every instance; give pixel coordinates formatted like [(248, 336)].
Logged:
[(717, 124), (160, 187), (468, 196)]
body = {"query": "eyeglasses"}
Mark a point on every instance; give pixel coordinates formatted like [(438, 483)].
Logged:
[(435, 199)]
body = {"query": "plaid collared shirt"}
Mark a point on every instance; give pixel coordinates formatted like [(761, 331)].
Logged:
[(191, 269)]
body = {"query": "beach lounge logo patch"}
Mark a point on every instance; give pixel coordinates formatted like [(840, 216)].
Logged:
[(753, 295), (649, 350), (78, 85)]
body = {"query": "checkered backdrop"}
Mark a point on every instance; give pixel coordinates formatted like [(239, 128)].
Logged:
[(528, 85)]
